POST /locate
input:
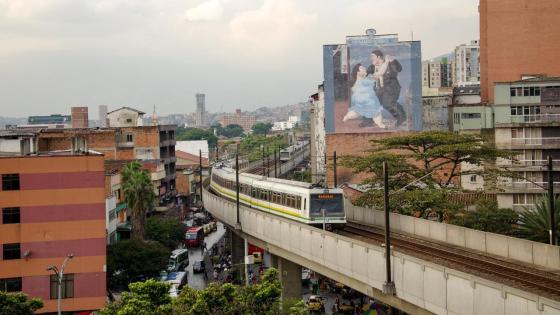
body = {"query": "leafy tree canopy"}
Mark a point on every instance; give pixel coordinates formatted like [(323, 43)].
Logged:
[(489, 218), (261, 128), (166, 231), (18, 303), (251, 145), (422, 167), (231, 131), (131, 260), (197, 134), (144, 298), (151, 297)]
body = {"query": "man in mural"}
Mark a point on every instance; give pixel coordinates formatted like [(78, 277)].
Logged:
[(385, 70)]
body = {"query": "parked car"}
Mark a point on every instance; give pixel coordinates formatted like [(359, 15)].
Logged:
[(179, 258), (315, 303), (199, 267)]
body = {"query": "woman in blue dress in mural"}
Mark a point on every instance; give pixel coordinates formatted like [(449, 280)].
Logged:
[(364, 102)]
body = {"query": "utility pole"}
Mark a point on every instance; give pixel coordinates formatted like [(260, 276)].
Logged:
[(553, 237), (326, 171), (263, 169), (200, 173), (334, 170), (275, 165), (237, 185), (389, 285), (267, 164)]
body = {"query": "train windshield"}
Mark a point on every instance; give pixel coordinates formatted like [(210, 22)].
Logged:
[(333, 204)]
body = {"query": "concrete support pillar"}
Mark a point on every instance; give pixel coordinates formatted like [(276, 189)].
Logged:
[(290, 277), (237, 249)]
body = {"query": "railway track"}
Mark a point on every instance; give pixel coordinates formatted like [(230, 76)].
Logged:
[(519, 276)]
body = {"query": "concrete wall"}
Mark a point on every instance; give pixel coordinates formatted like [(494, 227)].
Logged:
[(421, 287), (539, 254)]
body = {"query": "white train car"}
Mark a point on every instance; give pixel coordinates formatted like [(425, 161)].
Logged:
[(286, 154), (291, 199)]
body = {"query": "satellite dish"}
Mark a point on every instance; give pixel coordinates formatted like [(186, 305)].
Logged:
[(371, 32)]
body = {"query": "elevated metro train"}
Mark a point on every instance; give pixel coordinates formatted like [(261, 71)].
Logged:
[(294, 200), (288, 153)]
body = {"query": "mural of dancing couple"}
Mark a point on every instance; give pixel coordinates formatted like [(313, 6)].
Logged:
[(372, 85)]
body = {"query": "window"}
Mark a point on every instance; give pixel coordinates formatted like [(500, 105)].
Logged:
[(512, 92), (526, 91), (11, 251), (10, 215), (10, 181), (470, 115), (67, 287), (473, 178), (112, 215), (516, 133), (129, 138), (10, 284), (129, 120)]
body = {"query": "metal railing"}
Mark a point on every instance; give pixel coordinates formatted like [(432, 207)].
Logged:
[(536, 141), (531, 163), (535, 118), (530, 185)]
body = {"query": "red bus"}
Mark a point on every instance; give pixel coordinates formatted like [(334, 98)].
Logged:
[(194, 237)]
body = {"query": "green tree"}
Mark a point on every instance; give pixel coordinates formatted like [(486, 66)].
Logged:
[(18, 303), (151, 297), (261, 128), (166, 231), (534, 224), (231, 131), (130, 260), (144, 298), (197, 134), (489, 218), (138, 194), (422, 169)]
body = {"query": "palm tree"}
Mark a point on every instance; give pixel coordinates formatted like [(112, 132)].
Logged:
[(138, 194), (534, 224)]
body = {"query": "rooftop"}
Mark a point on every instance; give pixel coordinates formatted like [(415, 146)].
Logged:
[(466, 90), (534, 79), (129, 108), (60, 153)]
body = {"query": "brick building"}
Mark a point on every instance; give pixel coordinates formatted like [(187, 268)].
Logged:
[(80, 118), (245, 121), (517, 38), (145, 143), (53, 205)]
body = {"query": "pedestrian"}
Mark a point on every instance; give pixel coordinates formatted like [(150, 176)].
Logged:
[(203, 246)]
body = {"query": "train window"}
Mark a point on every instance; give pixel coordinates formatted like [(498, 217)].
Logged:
[(298, 204), (304, 203), (254, 194)]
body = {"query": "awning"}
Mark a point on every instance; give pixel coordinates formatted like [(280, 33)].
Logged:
[(120, 207)]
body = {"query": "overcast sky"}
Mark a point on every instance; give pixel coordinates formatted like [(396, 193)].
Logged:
[(242, 53)]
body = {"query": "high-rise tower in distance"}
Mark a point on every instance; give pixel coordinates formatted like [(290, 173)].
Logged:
[(200, 109)]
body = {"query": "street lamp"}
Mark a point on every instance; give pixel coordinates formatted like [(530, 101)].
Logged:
[(59, 274)]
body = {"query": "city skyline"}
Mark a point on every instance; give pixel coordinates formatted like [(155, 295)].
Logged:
[(247, 54)]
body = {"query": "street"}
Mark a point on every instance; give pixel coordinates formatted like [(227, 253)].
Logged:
[(198, 281)]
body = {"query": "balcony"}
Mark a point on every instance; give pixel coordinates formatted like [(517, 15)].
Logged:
[(532, 119), (537, 165), (530, 187), (552, 142)]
